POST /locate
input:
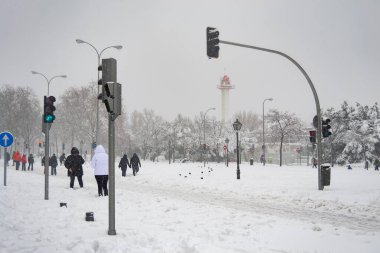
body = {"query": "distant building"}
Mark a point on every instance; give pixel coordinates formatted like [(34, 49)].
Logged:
[(225, 86)]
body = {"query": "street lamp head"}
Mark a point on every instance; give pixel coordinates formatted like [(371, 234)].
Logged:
[(34, 72), (118, 47), (80, 41), (270, 99), (237, 125), (63, 76)]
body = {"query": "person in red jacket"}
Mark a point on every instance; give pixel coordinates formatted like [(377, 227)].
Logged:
[(23, 161), (17, 159)]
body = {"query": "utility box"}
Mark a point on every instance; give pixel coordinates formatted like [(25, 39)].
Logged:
[(326, 174)]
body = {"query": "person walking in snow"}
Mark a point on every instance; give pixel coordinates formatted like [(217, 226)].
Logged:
[(376, 164), (53, 163), (30, 161), (99, 163), (23, 162), (13, 158), (7, 158), (124, 164), (135, 164), (17, 159), (73, 164), (62, 158), (314, 162)]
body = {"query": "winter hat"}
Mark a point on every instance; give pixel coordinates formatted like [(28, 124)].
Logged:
[(74, 151)]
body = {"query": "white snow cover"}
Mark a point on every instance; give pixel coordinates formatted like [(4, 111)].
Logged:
[(167, 209)]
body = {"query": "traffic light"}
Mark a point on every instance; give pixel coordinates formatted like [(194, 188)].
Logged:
[(49, 109), (326, 128), (111, 90), (212, 35), (108, 69), (313, 136)]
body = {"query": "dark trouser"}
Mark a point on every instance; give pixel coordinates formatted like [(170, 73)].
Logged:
[(30, 166), (135, 170), (53, 170), (102, 181), (17, 165), (23, 167), (72, 178), (124, 171), (376, 167)]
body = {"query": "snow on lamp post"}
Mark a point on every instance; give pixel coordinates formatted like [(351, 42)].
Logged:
[(237, 126)]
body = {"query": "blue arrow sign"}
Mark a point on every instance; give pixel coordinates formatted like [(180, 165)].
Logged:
[(6, 139)]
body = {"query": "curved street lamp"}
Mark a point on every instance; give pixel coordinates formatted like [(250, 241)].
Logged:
[(48, 80), (204, 134), (264, 158), (118, 47), (237, 126)]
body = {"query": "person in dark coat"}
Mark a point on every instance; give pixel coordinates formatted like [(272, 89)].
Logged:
[(53, 162), (124, 164), (135, 164), (376, 164), (30, 161), (62, 158), (74, 163), (8, 158), (13, 158)]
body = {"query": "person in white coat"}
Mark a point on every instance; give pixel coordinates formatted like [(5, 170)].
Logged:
[(99, 163)]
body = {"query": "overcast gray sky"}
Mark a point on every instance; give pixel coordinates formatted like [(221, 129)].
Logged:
[(163, 65)]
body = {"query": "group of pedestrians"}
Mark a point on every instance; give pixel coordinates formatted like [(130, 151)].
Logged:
[(99, 163), (19, 159), (134, 163)]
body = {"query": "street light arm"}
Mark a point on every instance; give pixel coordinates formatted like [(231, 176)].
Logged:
[(38, 73), (107, 48), (85, 42), (51, 79)]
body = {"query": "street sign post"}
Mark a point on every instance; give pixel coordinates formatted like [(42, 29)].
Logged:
[(6, 140)]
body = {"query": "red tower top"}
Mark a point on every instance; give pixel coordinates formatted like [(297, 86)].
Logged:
[(225, 83)]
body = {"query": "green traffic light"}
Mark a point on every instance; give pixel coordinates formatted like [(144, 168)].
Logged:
[(49, 118)]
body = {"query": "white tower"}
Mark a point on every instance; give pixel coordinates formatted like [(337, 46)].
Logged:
[(225, 86)]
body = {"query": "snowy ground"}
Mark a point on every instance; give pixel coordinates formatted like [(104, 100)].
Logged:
[(270, 209)]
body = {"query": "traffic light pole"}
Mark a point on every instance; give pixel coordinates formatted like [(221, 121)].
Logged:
[(319, 128), (46, 125), (111, 173)]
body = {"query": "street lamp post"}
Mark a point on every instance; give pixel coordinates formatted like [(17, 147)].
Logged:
[(204, 134), (79, 41), (47, 128), (237, 126), (264, 158), (227, 141)]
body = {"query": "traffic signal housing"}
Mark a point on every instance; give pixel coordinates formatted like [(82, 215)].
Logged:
[(212, 35), (49, 109), (313, 136), (326, 128), (111, 90)]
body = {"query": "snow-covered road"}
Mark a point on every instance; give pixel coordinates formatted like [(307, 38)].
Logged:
[(187, 208)]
